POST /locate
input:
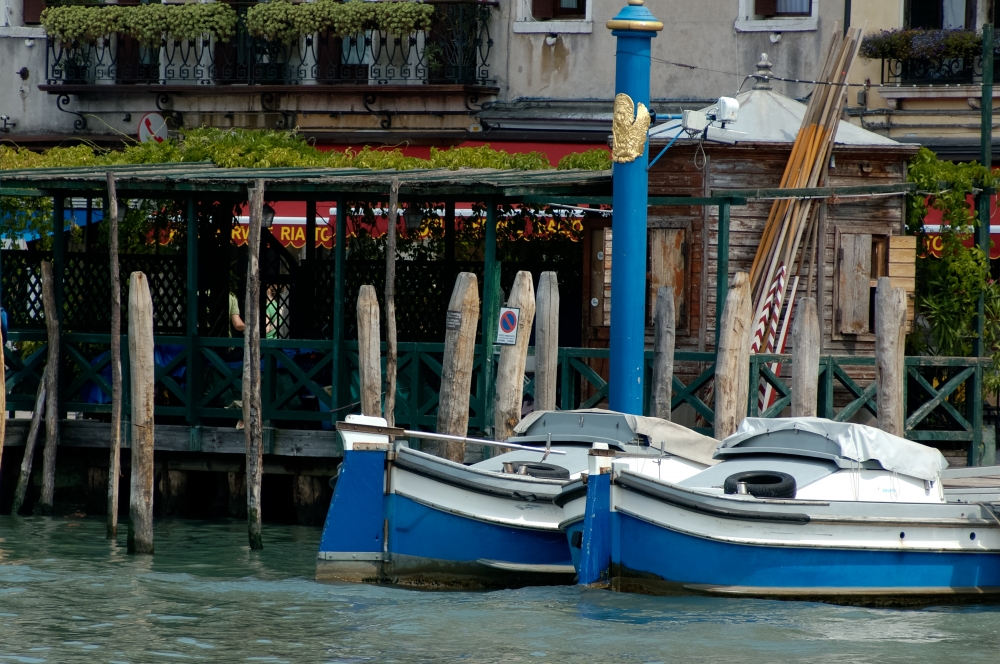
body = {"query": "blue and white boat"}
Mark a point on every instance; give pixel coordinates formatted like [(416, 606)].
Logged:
[(800, 508), (405, 517)]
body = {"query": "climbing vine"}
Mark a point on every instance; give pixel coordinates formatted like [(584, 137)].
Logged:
[(948, 287)]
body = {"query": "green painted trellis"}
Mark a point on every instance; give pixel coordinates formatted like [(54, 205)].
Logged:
[(943, 395)]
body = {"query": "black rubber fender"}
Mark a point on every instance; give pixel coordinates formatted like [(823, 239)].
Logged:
[(762, 483), (546, 471)]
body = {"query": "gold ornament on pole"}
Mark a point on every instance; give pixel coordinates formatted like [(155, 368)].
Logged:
[(628, 130)]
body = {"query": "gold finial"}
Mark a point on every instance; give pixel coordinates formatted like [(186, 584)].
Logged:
[(635, 2)]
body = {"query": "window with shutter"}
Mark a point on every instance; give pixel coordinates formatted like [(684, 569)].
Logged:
[(32, 11), (765, 7), (854, 283), (668, 267), (543, 9)]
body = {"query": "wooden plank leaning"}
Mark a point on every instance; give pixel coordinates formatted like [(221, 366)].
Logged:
[(29, 445), (456, 368), (52, 389), (369, 352), (890, 369), (114, 462), (546, 341), (732, 362), (510, 368), (252, 416), (805, 363), (143, 377), (663, 348)]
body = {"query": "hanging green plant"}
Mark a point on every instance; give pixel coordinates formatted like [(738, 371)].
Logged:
[(403, 18), (284, 21)]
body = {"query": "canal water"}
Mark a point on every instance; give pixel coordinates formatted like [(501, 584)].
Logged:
[(68, 595)]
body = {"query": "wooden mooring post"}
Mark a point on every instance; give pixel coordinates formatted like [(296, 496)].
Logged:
[(369, 352), (546, 341), (390, 305), (664, 324), (252, 416), (456, 368), (510, 368), (52, 390), (805, 363), (890, 360), (732, 362), (142, 371), (29, 445), (114, 462)]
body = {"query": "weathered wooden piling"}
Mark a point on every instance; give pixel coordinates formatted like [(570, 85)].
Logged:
[(456, 368), (29, 445), (252, 417), (52, 390), (732, 363), (664, 330), (369, 352), (142, 372), (546, 341), (890, 361), (114, 462), (805, 363), (390, 305), (510, 368)]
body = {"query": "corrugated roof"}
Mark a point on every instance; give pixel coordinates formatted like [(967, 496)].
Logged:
[(204, 177), (768, 117)]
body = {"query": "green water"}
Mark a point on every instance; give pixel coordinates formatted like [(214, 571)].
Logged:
[(68, 595)]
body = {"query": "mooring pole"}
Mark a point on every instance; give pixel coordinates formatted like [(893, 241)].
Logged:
[(974, 456), (634, 26)]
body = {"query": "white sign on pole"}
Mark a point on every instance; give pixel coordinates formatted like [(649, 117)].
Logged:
[(507, 329), (152, 127)]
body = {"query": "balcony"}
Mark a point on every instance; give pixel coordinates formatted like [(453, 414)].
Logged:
[(454, 51)]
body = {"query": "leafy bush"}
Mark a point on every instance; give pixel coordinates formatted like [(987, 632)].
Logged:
[(149, 24), (281, 20), (596, 159)]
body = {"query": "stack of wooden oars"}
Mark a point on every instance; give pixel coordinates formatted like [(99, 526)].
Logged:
[(792, 220)]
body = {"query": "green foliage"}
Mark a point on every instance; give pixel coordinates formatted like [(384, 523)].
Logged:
[(150, 23), (597, 159), (948, 288), (921, 44), (242, 148), (283, 21)]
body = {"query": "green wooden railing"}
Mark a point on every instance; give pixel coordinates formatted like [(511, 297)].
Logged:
[(943, 394)]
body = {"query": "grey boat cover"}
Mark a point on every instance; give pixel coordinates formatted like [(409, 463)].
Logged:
[(662, 434), (857, 442)]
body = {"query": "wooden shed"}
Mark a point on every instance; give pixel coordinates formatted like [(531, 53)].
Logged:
[(860, 238)]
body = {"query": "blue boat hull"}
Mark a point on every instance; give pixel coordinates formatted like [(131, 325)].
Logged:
[(650, 558), (375, 537)]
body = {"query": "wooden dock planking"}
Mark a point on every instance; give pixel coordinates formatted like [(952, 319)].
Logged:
[(177, 438)]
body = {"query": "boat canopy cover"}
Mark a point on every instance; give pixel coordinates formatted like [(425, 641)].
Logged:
[(662, 434), (857, 442)]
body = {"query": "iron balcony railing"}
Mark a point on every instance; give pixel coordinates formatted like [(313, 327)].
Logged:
[(455, 50), (934, 71)]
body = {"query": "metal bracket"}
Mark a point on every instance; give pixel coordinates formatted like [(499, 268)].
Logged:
[(386, 122), (81, 122), (162, 99)]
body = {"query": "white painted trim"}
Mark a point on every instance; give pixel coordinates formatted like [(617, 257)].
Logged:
[(745, 21), (21, 32), (532, 27), (524, 23)]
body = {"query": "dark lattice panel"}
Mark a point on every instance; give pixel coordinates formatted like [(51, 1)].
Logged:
[(322, 301), (277, 308), (87, 288), (21, 280), (167, 286)]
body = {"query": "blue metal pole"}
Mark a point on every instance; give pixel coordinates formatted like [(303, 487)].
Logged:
[(634, 26)]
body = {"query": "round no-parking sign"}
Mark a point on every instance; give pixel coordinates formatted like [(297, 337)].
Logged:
[(507, 329)]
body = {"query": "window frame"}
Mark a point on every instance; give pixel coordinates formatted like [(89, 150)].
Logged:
[(747, 21), (526, 23)]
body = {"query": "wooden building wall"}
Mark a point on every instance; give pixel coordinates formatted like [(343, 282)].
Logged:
[(681, 238)]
